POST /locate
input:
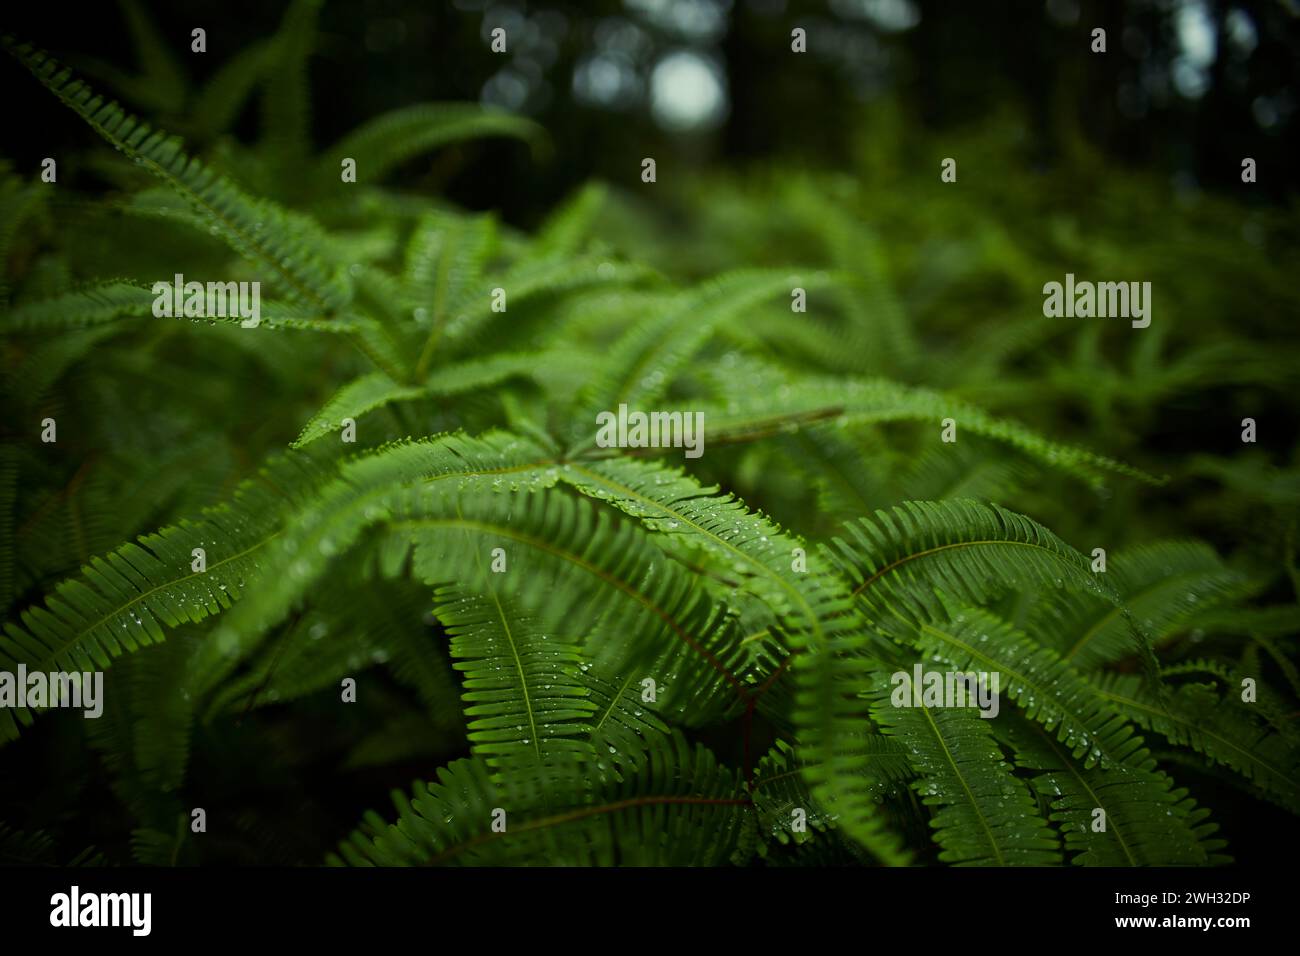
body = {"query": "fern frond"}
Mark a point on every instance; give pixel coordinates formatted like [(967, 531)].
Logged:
[(126, 599), (785, 809), (1164, 584), (673, 504), (970, 550), (784, 404), (625, 726), (445, 260), (286, 244), (143, 736), (523, 692), (879, 327), (577, 568), (1271, 622), (1146, 822), (444, 266), (84, 307), (1220, 728), (531, 280), (645, 362), (1048, 690), (779, 787), (161, 84), (364, 495), (341, 634), (680, 807), (388, 140), (222, 98), (850, 469), (353, 400), (45, 364), (565, 230), (961, 472), (985, 816), (813, 608), (287, 96)]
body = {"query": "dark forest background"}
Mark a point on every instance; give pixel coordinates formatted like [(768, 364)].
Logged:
[(1186, 87)]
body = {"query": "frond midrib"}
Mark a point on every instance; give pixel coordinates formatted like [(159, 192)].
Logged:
[(81, 634), (1252, 758), (1034, 685), (813, 621), (1131, 598), (894, 565), (584, 813), (577, 560), (1071, 766), (970, 795)]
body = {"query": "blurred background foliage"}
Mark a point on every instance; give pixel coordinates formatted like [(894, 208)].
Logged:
[(1122, 166), (1185, 89)]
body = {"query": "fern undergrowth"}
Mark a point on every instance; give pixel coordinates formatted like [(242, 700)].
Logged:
[(629, 657)]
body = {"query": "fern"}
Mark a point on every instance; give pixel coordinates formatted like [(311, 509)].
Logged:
[(1135, 830), (288, 246), (1224, 731), (1166, 585), (389, 140), (967, 549), (85, 307), (416, 559), (987, 816), (124, 600), (516, 676), (680, 806)]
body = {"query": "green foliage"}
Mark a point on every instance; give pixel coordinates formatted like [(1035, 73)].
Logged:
[(597, 657)]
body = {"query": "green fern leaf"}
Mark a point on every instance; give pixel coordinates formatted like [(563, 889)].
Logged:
[(645, 362), (1046, 688), (680, 806), (365, 494), (967, 549), (775, 403), (780, 787), (813, 608), (388, 140), (985, 815), (524, 697), (288, 245), (218, 104), (576, 568), (1146, 822), (125, 600), (1164, 584), (354, 400), (286, 102), (1222, 729), (566, 229), (532, 280), (84, 307)]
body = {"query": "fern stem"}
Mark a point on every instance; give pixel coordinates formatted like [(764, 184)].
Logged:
[(587, 566), (586, 812)]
